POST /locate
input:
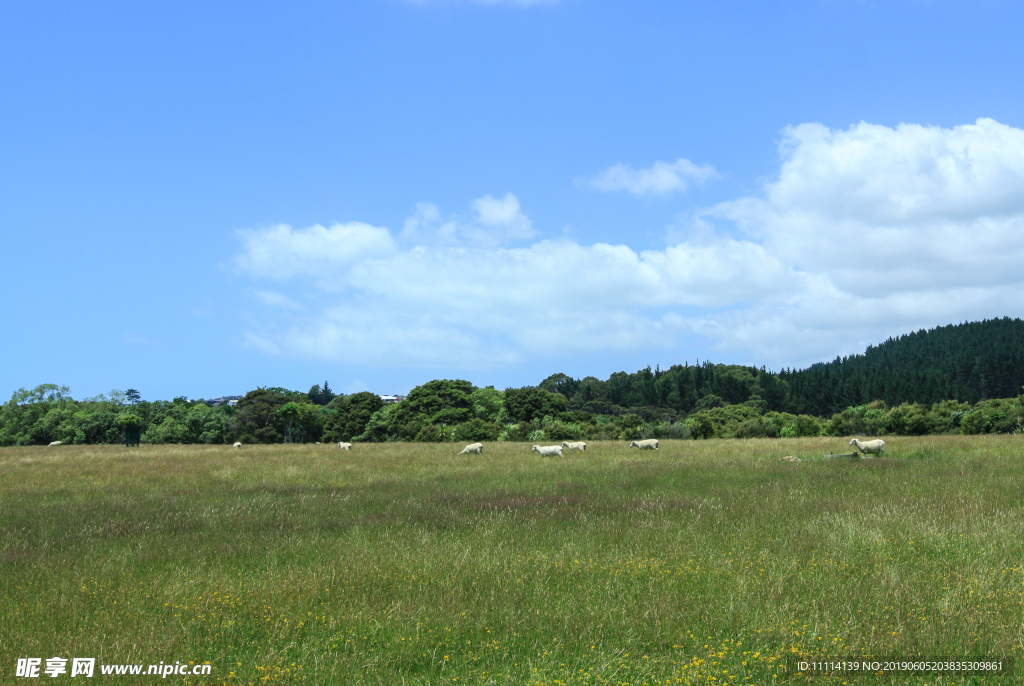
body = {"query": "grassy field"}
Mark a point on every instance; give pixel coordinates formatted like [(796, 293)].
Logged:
[(707, 562)]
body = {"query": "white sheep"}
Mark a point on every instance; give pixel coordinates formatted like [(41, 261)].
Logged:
[(345, 446), (547, 450), (873, 447), (574, 446), (477, 448), (237, 445), (649, 444), (55, 443)]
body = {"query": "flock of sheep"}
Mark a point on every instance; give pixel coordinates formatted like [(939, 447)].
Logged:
[(478, 448), (876, 447), (650, 444)]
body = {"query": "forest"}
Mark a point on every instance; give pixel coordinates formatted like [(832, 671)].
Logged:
[(963, 378)]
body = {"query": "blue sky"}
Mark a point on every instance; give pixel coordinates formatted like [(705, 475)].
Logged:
[(197, 199)]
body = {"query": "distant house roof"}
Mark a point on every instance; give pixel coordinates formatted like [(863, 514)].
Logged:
[(389, 399), (231, 400)]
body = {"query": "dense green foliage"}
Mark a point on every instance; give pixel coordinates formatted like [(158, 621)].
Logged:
[(966, 362), (350, 415), (930, 382)]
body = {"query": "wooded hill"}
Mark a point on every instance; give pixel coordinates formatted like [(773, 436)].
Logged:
[(964, 362), (967, 362)]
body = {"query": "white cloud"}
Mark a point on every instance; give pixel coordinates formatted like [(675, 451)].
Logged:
[(277, 300), (483, 306), (495, 222), (281, 253), (504, 216), (660, 179), (863, 234), (892, 228)]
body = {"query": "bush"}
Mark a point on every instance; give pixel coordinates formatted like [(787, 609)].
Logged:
[(701, 426), (429, 434), (973, 423), (994, 416), (678, 430), (605, 408), (631, 434), (376, 429), (725, 421), (630, 421), (576, 417), (530, 404), (807, 425), (708, 402), (560, 431), (910, 420), (862, 420), (476, 430), (757, 428)]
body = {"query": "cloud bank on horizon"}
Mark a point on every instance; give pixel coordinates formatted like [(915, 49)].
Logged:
[(862, 233)]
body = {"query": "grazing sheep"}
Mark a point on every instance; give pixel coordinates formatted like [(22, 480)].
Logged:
[(649, 444), (575, 446), (237, 445), (477, 448), (345, 446), (547, 450), (873, 447), (53, 444)]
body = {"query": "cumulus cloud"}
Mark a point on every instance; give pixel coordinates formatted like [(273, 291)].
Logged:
[(895, 228), (483, 305), (660, 179), (281, 253), (495, 221), (862, 234), (504, 216)]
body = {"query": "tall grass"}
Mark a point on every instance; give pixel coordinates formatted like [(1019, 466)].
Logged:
[(705, 562)]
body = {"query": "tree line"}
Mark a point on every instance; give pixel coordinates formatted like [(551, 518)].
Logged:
[(962, 378)]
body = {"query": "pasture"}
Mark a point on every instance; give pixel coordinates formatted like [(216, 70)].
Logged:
[(705, 562)]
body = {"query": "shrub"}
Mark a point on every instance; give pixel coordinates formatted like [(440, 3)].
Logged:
[(807, 425), (561, 431), (725, 421), (708, 402), (909, 420), (678, 430), (429, 434), (476, 430), (530, 404), (757, 428), (630, 434), (630, 421), (701, 426)]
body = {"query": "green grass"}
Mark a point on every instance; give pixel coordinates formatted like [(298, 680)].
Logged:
[(706, 562)]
